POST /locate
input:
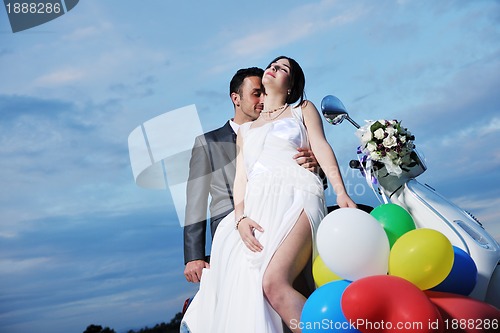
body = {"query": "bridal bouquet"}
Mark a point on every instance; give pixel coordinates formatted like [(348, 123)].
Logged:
[(387, 143)]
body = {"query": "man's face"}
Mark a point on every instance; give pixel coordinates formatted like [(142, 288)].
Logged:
[(251, 100)]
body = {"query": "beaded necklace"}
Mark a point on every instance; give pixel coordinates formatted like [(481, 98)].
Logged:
[(279, 111)]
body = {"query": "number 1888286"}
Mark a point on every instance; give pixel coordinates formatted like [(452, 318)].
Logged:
[(33, 8), (474, 324)]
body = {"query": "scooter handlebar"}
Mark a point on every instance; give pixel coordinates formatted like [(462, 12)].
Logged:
[(355, 164)]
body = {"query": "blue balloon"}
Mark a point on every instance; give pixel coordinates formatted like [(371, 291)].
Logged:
[(463, 275), (322, 311)]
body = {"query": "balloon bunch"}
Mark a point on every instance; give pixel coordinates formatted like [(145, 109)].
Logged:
[(377, 272)]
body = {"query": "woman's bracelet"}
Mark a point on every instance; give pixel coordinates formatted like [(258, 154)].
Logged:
[(239, 220)]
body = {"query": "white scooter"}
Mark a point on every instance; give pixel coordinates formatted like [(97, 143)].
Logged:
[(431, 210)]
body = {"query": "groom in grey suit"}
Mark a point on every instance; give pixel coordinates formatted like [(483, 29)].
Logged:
[(213, 166)]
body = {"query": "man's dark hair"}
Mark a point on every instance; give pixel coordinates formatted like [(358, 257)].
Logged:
[(241, 75)]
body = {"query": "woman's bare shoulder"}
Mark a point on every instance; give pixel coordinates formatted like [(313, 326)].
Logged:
[(308, 108)]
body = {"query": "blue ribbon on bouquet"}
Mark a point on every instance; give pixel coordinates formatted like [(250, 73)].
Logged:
[(367, 171)]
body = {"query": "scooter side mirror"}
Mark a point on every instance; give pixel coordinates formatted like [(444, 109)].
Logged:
[(334, 111)]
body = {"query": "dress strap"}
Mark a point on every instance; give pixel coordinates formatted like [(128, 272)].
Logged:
[(297, 113)]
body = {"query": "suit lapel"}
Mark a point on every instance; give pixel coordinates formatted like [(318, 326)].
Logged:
[(227, 145)]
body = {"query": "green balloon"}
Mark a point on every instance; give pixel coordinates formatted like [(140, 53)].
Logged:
[(395, 220)]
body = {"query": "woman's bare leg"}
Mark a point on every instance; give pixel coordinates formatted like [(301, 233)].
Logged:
[(286, 264)]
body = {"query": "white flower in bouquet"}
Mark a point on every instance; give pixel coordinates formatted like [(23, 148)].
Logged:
[(379, 134), (387, 144), (374, 156), (371, 146), (390, 141), (391, 131)]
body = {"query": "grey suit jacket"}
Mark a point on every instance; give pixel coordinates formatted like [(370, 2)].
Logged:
[(211, 172)]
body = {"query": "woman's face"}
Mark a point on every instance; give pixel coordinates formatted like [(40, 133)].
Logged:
[(277, 74)]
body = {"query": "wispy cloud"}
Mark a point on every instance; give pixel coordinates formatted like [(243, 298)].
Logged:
[(467, 134), (484, 210), (60, 77), (23, 266), (83, 33), (292, 26)]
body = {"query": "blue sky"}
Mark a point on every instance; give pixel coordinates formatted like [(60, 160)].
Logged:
[(81, 243)]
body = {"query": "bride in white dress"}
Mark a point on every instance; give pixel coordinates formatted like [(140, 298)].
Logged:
[(260, 248)]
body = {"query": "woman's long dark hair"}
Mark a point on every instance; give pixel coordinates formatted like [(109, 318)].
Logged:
[(297, 81)]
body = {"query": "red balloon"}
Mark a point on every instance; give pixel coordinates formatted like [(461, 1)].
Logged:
[(464, 314), (385, 303)]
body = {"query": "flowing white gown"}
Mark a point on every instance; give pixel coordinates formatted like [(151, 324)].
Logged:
[(230, 298)]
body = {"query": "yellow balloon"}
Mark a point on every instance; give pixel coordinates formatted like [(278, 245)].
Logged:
[(422, 256), (322, 274)]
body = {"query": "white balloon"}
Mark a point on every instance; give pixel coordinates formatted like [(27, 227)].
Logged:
[(353, 244)]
